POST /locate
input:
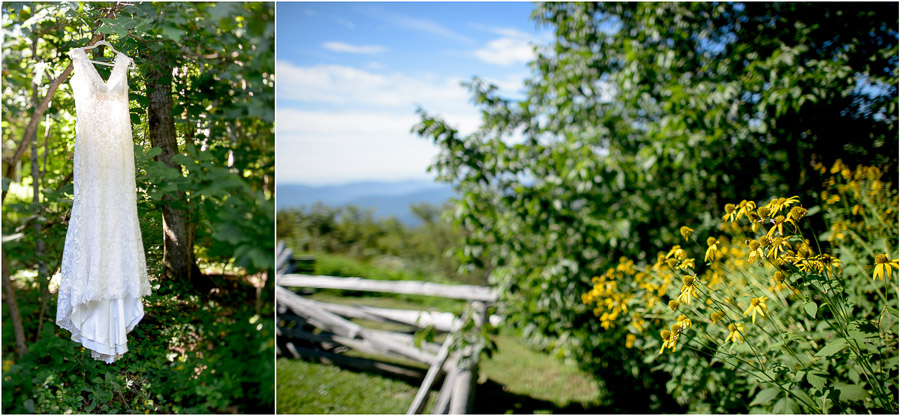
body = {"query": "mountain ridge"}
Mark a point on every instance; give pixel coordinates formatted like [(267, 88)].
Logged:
[(387, 198)]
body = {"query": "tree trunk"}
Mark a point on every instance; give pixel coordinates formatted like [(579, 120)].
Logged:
[(178, 245), (14, 309), (42, 277)]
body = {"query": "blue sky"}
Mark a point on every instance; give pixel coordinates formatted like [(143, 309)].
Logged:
[(350, 76)]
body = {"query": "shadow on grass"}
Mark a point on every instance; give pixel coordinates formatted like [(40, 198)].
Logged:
[(492, 397)]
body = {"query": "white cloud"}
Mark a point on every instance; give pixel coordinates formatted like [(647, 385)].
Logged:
[(348, 48), (322, 147), (506, 51), (513, 47), (338, 84), (355, 124)]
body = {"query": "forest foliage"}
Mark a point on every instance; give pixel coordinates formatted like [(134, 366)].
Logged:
[(421, 252), (641, 118), (205, 344)]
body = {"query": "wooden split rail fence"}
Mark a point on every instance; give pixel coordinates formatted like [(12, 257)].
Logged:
[(324, 330)]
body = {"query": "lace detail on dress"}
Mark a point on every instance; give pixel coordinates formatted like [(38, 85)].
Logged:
[(103, 259)]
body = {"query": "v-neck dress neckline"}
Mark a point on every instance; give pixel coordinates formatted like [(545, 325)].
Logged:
[(96, 74)]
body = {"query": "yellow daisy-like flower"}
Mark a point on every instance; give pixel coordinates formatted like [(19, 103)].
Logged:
[(668, 340), (735, 333), (629, 340), (832, 264), (686, 232), (638, 323), (756, 252), (779, 279), (686, 263), (730, 213), (684, 322), (676, 252), (883, 267), (796, 214), (777, 204), (778, 224), (674, 304), (757, 305), (688, 290), (715, 316), (711, 251), (779, 246), (745, 208)]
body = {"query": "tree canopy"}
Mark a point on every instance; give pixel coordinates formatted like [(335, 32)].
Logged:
[(202, 110), (639, 117)]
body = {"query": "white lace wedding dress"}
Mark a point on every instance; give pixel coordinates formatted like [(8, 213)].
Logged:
[(104, 273)]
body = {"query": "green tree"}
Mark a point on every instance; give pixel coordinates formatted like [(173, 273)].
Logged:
[(641, 116), (202, 112)]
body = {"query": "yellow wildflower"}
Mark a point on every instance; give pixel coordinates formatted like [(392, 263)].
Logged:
[(676, 252), (688, 289), (796, 213), (711, 251), (686, 232), (629, 340), (7, 364), (684, 321), (883, 267), (745, 208), (778, 225), (668, 340), (837, 166), (779, 278), (763, 212), (777, 204), (779, 245), (638, 322), (674, 304), (831, 263), (686, 263), (756, 252), (757, 305), (735, 333), (730, 213), (715, 316)]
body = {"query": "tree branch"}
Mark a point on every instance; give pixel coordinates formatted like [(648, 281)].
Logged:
[(42, 108)]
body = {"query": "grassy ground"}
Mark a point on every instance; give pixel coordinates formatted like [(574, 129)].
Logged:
[(516, 379)]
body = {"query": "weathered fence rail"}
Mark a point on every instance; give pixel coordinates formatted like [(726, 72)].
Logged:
[(465, 292), (334, 332)]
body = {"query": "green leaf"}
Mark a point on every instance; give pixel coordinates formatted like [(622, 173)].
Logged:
[(172, 33), (183, 160), (817, 379), (153, 152), (831, 348), (811, 308), (766, 395), (786, 405), (851, 392), (804, 398)]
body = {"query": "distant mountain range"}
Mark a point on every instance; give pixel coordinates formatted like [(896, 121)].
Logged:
[(389, 199)]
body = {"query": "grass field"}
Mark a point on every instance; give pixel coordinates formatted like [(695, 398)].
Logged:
[(516, 379)]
